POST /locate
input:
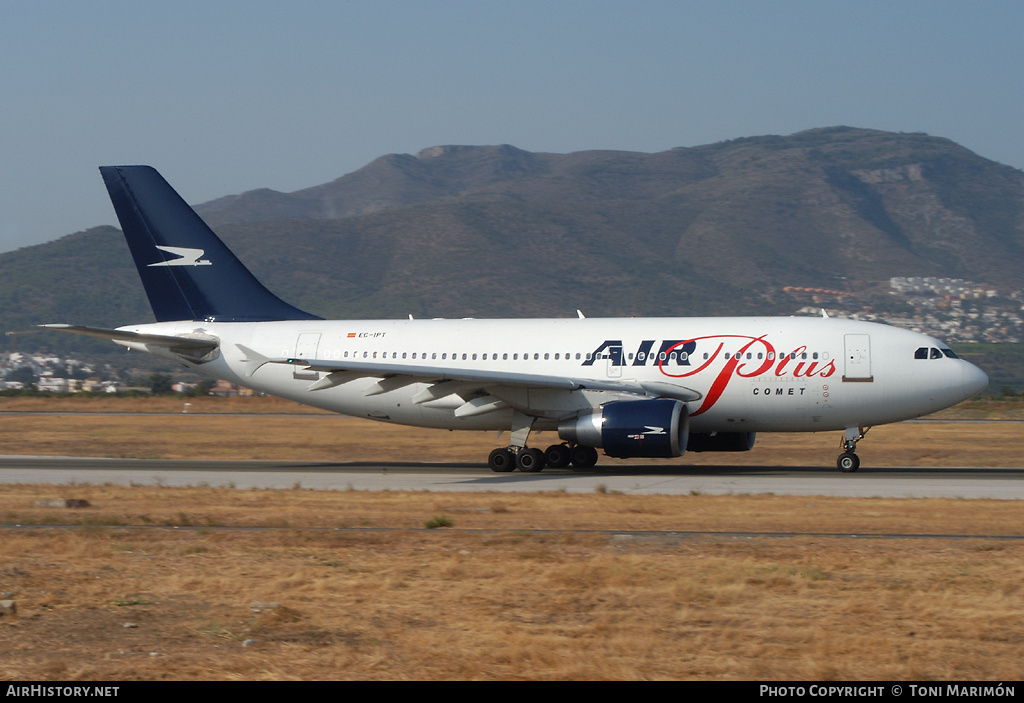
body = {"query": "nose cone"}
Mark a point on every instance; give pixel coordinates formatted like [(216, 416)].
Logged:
[(975, 380)]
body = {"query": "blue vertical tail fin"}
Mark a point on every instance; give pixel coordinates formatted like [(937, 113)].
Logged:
[(187, 271)]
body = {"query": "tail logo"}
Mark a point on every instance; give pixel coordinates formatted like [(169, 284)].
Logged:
[(187, 257)]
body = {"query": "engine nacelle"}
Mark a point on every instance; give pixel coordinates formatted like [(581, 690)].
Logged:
[(721, 442), (632, 428)]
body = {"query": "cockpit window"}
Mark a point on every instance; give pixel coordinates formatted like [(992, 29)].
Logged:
[(934, 353)]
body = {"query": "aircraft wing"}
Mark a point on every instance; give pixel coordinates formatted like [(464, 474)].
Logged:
[(473, 385)]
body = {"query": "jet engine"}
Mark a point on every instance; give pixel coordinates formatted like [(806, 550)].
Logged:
[(632, 428), (721, 442)]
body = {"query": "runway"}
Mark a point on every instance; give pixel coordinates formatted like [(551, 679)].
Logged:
[(886, 482)]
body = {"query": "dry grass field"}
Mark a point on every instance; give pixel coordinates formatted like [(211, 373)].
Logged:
[(159, 582), (521, 586), (225, 428)]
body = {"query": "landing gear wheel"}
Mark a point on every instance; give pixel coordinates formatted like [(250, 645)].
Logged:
[(529, 460), (848, 462), (502, 460), (557, 456), (583, 457)]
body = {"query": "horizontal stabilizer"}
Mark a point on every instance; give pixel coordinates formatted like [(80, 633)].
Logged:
[(190, 347)]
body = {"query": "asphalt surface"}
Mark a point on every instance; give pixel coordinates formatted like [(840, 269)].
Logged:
[(890, 482)]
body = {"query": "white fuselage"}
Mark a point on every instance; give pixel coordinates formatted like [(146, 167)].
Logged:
[(754, 374)]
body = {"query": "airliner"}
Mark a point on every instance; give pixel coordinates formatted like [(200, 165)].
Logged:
[(632, 387)]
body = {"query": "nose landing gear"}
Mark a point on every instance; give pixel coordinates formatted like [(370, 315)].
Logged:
[(848, 461)]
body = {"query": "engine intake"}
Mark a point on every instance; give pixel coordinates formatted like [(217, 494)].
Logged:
[(632, 428)]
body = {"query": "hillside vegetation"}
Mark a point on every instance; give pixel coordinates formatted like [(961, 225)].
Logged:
[(493, 231)]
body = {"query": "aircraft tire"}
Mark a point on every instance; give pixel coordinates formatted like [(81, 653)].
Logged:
[(848, 462), (557, 456), (501, 460), (530, 460), (583, 457)]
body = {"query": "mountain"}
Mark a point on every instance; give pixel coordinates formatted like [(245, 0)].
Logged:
[(491, 231)]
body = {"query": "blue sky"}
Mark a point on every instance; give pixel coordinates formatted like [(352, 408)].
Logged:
[(224, 96)]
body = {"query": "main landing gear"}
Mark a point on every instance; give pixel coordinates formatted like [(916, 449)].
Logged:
[(848, 461), (518, 456), (557, 456)]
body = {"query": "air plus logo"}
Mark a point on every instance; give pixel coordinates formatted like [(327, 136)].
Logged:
[(753, 356), (187, 257)]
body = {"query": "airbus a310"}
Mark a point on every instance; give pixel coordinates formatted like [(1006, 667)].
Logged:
[(632, 387)]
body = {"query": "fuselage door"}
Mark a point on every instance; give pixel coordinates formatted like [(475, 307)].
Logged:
[(858, 358), (305, 348), (613, 356)]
